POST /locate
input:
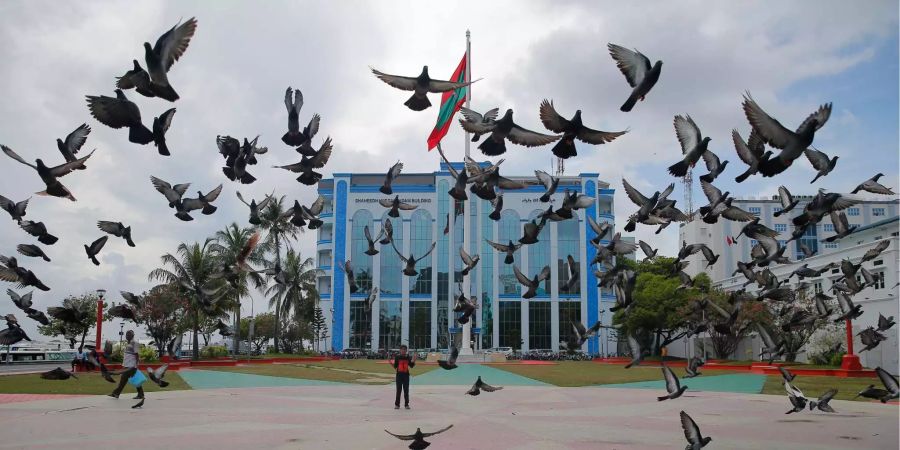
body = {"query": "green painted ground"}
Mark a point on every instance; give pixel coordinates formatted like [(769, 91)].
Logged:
[(741, 382), (466, 374), (217, 379), (87, 383)]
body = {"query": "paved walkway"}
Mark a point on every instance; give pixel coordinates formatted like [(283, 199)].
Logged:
[(519, 417), (743, 383)]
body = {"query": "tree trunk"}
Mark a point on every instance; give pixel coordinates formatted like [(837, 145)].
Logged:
[(236, 338), (196, 344), (81, 346), (278, 298)]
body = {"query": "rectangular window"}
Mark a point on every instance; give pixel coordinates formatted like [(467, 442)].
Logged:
[(420, 324), (390, 323), (539, 325), (776, 209), (754, 210), (817, 287), (852, 211), (831, 245), (568, 244), (828, 227), (878, 262), (877, 211), (879, 280), (360, 325), (782, 243), (511, 324), (568, 312), (781, 227)]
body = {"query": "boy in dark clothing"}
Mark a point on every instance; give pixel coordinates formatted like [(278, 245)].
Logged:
[(402, 363)]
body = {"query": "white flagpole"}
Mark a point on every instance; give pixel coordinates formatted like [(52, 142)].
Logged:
[(466, 348)]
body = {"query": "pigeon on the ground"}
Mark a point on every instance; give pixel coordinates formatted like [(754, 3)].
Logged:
[(395, 205), (117, 112), (255, 208), (638, 72), (572, 129), (533, 283), (820, 162), (791, 143), (872, 185), (694, 364), (418, 437), (469, 261), (872, 392), (477, 120), (509, 249), (33, 251), (168, 49), (410, 268), (752, 153), (116, 229), (94, 249), (450, 362), (420, 86), (504, 129), (481, 386), (50, 175), (822, 402), (696, 441), (673, 385), (389, 178), (693, 145), (16, 210), (58, 374)]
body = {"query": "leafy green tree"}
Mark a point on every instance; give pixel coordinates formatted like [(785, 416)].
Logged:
[(191, 268), (279, 233), (297, 296), (263, 329), (83, 311), (796, 337), (233, 239), (163, 313), (320, 327)]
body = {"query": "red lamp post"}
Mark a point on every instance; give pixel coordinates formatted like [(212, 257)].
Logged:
[(97, 344), (850, 361)]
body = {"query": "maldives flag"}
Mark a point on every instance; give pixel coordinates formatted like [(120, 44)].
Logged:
[(450, 103)]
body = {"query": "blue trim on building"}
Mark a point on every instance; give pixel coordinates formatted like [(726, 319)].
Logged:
[(593, 343), (398, 189), (539, 189), (340, 233), (323, 241), (324, 267), (326, 192), (419, 296), (326, 215), (323, 296), (589, 175), (510, 296), (359, 295), (610, 192), (385, 295), (570, 296)]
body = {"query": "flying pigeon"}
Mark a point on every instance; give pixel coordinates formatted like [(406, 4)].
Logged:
[(798, 400), (50, 175), (534, 283), (713, 165), (572, 129), (752, 153), (458, 191), (293, 101), (418, 437), (16, 210), (786, 375), (392, 174), (504, 129), (694, 364), (872, 185), (73, 143), (420, 85), (820, 162), (787, 201), (791, 143), (509, 249), (477, 120), (693, 145), (306, 166), (161, 125), (870, 338), (842, 227), (673, 385), (890, 385), (873, 252), (497, 204), (116, 229), (117, 112), (33, 251), (822, 402), (649, 251), (481, 386), (395, 205), (137, 78), (156, 375), (95, 248), (638, 72), (370, 298), (532, 230), (696, 441), (168, 49), (848, 309), (255, 208), (13, 332), (450, 362), (885, 323), (371, 251), (637, 354), (11, 272), (468, 261), (410, 269), (574, 275), (549, 182)]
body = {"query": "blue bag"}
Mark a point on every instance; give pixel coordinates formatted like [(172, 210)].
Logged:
[(137, 379)]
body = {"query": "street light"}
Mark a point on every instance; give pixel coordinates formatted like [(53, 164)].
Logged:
[(97, 345)]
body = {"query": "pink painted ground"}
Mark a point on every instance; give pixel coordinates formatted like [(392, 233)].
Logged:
[(17, 398), (353, 417)]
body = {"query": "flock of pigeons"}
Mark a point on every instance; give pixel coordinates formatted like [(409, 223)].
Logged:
[(485, 182)]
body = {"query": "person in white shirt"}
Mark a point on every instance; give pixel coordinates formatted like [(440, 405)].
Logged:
[(129, 364)]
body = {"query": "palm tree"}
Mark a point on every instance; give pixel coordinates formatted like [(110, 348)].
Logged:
[(233, 239), (279, 232), (191, 268), (298, 293)]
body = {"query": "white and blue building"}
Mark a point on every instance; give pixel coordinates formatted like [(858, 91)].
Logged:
[(417, 311)]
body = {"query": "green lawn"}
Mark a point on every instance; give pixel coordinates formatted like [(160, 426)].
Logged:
[(583, 373), (87, 383), (812, 387), (361, 371)]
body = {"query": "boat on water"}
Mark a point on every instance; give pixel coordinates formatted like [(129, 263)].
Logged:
[(37, 352)]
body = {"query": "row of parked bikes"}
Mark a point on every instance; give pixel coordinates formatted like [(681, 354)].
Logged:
[(531, 355)]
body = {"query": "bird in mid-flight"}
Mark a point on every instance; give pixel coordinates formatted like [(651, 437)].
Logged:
[(638, 72), (420, 85)]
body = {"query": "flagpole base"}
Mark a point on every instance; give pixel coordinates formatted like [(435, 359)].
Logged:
[(851, 362)]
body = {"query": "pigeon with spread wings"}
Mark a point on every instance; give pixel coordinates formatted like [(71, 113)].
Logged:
[(477, 121), (117, 112), (572, 129), (395, 205), (418, 437), (116, 229), (505, 129), (50, 175), (255, 208), (410, 268), (641, 76), (420, 86), (73, 143), (161, 56), (752, 153), (693, 145)]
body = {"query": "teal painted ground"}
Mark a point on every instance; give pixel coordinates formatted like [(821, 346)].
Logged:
[(743, 383), (212, 379), (465, 375)]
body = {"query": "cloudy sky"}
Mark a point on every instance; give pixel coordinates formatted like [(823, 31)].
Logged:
[(792, 56)]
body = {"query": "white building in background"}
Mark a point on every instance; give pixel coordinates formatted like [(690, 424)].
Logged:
[(718, 235), (879, 299)]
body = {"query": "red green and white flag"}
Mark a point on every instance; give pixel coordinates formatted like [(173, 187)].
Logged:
[(450, 103)]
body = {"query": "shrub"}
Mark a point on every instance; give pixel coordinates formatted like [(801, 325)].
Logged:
[(214, 351), (826, 347), (145, 354)]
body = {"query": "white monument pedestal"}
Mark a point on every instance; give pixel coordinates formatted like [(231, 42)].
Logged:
[(465, 347)]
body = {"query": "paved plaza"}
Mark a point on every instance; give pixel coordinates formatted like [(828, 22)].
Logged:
[(227, 410)]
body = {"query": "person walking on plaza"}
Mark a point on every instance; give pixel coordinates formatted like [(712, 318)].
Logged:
[(402, 363), (129, 364)]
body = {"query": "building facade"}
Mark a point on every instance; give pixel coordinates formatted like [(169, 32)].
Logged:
[(718, 236), (417, 311), (882, 298)]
